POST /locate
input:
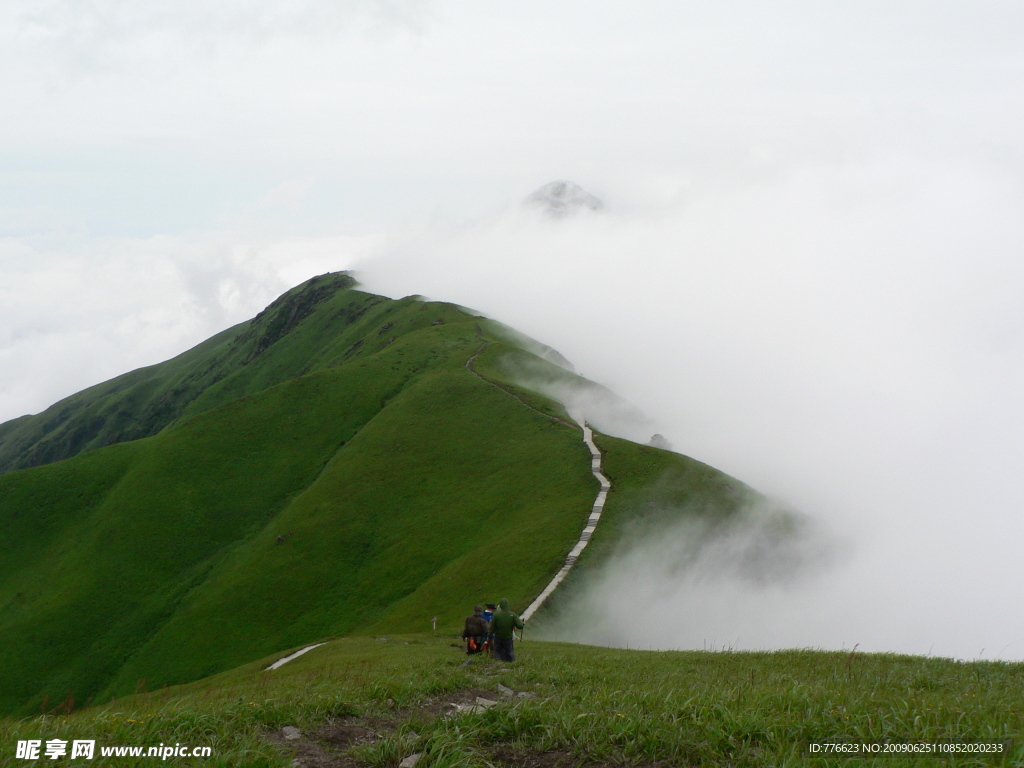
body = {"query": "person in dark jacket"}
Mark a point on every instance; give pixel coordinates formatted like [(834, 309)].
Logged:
[(503, 630), (475, 631)]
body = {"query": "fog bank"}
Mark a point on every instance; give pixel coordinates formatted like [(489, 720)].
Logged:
[(692, 583), (846, 338)]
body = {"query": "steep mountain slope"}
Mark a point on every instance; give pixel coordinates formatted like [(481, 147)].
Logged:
[(363, 465)]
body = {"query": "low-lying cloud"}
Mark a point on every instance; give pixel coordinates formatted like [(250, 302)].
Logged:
[(583, 400), (694, 583), (846, 337)]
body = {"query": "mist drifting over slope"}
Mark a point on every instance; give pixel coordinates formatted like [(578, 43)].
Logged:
[(846, 338), (744, 582)]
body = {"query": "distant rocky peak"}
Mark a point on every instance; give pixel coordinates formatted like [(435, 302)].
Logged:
[(563, 198), (660, 441)]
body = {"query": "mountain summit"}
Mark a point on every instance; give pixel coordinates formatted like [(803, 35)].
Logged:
[(563, 198)]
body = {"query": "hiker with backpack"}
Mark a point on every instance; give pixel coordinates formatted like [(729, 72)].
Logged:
[(503, 629), (475, 631), (488, 614)]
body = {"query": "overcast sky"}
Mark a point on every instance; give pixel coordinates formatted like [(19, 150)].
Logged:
[(808, 272)]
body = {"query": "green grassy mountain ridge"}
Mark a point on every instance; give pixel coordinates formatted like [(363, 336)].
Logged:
[(342, 463), (326, 323)]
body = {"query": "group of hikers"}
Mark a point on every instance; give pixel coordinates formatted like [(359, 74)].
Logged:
[(492, 629)]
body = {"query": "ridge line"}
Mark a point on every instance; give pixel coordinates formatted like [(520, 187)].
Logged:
[(469, 367)]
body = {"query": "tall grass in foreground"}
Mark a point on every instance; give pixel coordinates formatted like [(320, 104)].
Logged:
[(593, 706)]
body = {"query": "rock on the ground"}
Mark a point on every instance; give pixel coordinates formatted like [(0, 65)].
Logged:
[(290, 732), (505, 691), (410, 761), (480, 705)]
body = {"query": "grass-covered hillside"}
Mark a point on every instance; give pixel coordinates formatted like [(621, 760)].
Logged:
[(344, 463), (375, 701), (319, 324)]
